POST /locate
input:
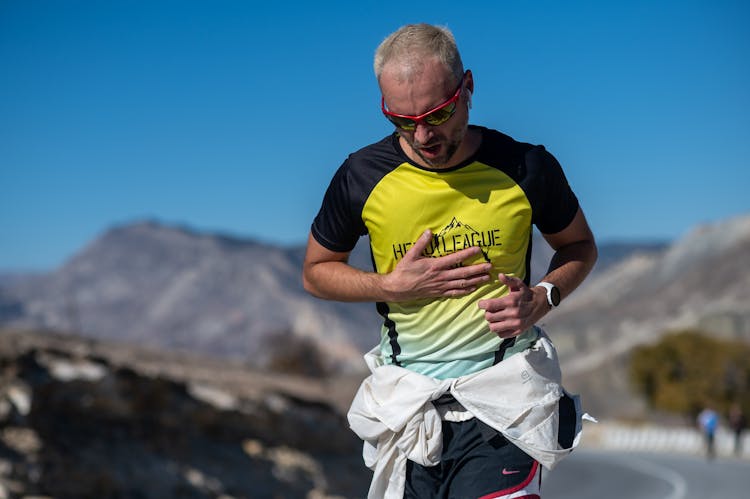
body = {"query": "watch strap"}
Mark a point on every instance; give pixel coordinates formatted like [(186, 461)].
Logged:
[(553, 294)]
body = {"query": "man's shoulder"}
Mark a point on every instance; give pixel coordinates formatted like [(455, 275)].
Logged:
[(365, 167), (499, 147), (382, 150), (492, 135)]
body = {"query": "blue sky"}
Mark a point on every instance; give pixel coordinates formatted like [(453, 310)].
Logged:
[(232, 116)]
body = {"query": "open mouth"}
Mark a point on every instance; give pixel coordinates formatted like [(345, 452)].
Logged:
[(431, 151)]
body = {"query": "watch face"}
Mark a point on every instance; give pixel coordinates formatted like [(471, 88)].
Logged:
[(555, 296)]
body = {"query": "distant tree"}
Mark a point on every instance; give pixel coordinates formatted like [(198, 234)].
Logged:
[(688, 369)]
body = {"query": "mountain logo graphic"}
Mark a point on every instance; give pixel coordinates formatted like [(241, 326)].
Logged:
[(458, 235)]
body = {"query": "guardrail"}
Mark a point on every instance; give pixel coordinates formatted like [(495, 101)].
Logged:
[(657, 438)]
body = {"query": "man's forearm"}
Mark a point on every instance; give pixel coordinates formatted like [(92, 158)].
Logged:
[(570, 265), (327, 274), (341, 282)]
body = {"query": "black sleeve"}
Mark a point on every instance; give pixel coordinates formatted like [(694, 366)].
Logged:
[(556, 205), (338, 225)]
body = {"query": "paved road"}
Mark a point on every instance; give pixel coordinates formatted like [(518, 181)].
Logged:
[(596, 475)]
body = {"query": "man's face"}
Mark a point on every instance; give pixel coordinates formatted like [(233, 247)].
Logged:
[(431, 146)]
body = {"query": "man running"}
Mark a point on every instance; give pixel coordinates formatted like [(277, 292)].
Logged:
[(464, 399)]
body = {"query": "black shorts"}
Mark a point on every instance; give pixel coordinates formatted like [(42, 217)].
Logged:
[(477, 463)]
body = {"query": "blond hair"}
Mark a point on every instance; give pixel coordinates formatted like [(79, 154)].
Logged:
[(412, 44)]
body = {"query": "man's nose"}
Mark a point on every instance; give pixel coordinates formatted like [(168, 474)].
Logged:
[(423, 132)]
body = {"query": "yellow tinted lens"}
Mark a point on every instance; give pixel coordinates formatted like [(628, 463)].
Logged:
[(402, 123), (441, 115)]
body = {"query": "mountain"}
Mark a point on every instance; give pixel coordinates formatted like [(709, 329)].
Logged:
[(180, 289), (701, 281), (177, 288)]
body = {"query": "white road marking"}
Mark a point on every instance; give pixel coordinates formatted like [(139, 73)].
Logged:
[(674, 479)]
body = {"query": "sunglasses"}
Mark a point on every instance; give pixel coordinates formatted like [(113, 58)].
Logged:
[(433, 117)]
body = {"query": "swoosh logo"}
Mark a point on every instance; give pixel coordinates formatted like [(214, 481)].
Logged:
[(510, 472)]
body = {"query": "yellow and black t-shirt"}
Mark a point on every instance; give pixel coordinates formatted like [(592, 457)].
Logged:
[(491, 201)]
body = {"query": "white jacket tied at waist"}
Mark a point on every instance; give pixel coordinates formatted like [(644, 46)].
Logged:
[(394, 415)]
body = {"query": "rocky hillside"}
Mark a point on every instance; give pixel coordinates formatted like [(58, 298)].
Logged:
[(701, 281), (82, 418)]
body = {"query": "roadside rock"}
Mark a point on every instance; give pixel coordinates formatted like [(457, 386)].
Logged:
[(78, 422)]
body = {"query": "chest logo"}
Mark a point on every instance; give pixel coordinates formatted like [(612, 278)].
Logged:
[(455, 236)]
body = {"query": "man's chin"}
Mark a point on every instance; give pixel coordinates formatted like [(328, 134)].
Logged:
[(440, 159), (436, 162), (433, 156)]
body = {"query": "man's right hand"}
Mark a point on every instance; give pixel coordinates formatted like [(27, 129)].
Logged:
[(417, 276)]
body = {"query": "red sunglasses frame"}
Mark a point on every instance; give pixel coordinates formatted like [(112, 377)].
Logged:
[(420, 119)]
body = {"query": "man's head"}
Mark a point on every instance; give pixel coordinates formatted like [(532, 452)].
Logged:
[(426, 92)]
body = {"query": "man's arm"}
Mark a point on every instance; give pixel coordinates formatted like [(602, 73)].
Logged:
[(327, 274), (575, 255)]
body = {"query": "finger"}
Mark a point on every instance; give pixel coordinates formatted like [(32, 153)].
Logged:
[(477, 271), (476, 280), (506, 327), (492, 305), (513, 283), (453, 259), (418, 248), (456, 292), (469, 284)]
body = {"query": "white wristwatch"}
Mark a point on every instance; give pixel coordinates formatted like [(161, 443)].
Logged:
[(553, 294)]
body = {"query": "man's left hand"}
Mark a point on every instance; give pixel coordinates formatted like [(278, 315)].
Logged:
[(515, 312)]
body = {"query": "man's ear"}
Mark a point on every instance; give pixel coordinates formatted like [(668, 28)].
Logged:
[(469, 83), (469, 80)]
